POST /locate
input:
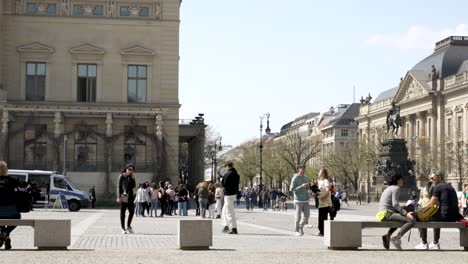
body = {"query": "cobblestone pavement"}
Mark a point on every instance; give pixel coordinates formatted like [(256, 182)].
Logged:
[(263, 236)]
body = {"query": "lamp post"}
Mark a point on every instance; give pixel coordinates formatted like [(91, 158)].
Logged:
[(216, 147), (267, 131)]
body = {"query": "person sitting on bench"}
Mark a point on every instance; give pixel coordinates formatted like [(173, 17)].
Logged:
[(391, 211)]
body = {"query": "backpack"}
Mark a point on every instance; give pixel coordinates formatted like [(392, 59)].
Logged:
[(426, 213), (336, 203)]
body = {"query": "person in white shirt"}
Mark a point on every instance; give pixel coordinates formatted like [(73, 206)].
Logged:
[(219, 195), (142, 197), (324, 199)]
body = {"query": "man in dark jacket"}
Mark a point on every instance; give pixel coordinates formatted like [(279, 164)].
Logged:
[(231, 185)]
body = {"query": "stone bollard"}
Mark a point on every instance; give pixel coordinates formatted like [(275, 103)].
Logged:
[(195, 234)]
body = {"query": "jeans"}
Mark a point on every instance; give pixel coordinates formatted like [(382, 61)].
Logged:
[(228, 217), (137, 209), (182, 208), (323, 215), (8, 212), (130, 206), (438, 218), (203, 206), (396, 217), (302, 208), (154, 207)]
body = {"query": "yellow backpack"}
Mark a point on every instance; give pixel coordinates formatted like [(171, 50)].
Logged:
[(426, 213)]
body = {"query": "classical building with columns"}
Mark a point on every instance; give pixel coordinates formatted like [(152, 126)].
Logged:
[(433, 101), (87, 86)]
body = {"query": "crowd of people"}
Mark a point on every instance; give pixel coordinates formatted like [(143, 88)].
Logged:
[(216, 200)]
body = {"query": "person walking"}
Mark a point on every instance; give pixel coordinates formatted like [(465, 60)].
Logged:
[(273, 196), (344, 197), (211, 200), (183, 195), (203, 198), (265, 195), (359, 198), (142, 198), (219, 195), (300, 186), (8, 209), (324, 199), (391, 211), (162, 198), (171, 194), (92, 197), (154, 194), (247, 198), (230, 182), (125, 186), (253, 199), (446, 196)]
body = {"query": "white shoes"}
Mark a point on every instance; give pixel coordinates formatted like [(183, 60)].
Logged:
[(422, 246), (433, 246), (297, 233), (124, 232), (396, 243)]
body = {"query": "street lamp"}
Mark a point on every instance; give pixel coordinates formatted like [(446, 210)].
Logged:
[(216, 147), (267, 131)]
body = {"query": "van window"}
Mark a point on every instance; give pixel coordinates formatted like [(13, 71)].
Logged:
[(41, 181), (60, 183), (20, 178)]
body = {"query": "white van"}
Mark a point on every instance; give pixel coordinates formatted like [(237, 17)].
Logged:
[(47, 185)]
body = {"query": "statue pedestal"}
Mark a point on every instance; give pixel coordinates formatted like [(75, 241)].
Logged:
[(394, 159)]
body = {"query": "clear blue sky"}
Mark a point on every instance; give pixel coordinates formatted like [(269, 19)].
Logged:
[(243, 58)]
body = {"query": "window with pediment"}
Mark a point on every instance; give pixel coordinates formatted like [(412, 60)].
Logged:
[(35, 146), (85, 145), (135, 144)]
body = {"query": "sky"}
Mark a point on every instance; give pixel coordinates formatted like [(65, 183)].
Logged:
[(244, 58)]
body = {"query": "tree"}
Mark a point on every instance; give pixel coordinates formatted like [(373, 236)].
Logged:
[(349, 159), (297, 149), (425, 161), (456, 159), (274, 166), (246, 156)]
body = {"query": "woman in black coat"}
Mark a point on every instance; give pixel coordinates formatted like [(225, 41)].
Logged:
[(8, 209)]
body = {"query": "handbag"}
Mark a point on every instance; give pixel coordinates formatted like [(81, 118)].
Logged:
[(124, 196)]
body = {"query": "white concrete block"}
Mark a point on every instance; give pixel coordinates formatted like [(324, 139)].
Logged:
[(194, 234), (52, 234), (343, 235)]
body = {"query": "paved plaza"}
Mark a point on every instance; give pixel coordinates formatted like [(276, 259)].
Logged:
[(263, 236)]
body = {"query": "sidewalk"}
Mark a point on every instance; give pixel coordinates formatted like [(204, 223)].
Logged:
[(97, 238)]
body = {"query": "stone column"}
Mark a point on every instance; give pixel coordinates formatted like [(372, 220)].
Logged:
[(58, 133), (5, 139), (433, 127), (158, 147), (108, 154), (403, 127), (441, 133)]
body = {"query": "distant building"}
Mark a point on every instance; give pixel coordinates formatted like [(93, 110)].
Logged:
[(433, 100)]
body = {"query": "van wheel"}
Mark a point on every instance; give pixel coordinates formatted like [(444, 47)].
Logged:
[(74, 206)]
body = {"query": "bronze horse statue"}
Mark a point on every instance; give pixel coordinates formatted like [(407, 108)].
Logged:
[(393, 119)]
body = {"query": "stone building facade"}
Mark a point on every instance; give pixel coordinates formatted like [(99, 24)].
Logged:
[(433, 100), (88, 86)]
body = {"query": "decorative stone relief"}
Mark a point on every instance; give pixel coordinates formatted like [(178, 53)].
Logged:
[(414, 90), (88, 10), (64, 8), (157, 9), (111, 8), (134, 11), (448, 111), (458, 109)]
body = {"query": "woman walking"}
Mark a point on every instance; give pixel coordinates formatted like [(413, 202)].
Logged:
[(8, 210), (183, 195), (154, 193), (125, 186), (219, 195), (162, 198), (203, 198), (211, 200), (324, 199)]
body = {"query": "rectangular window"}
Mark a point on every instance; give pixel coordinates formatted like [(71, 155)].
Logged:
[(85, 147), (51, 9), (135, 144), (35, 81), (78, 10), (87, 82), (344, 132), (98, 11), (124, 11), (136, 84), (31, 8), (449, 127), (35, 146), (144, 12)]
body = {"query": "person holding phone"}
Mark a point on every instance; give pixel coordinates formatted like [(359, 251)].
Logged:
[(300, 187), (126, 197)]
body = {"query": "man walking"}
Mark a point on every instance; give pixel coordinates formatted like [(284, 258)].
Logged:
[(300, 187), (231, 185)]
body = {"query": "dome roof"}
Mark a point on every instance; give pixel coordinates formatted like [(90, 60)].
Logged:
[(448, 57)]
